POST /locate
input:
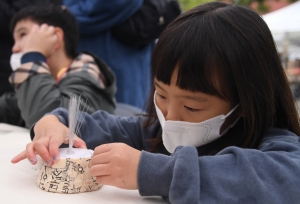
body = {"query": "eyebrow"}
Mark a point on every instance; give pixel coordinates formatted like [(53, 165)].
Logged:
[(195, 98), (20, 29), (156, 84)]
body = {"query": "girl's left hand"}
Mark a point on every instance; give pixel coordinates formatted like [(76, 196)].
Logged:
[(116, 164)]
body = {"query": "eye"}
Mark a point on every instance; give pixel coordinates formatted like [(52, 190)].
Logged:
[(160, 96), (22, 34), (191, 109)]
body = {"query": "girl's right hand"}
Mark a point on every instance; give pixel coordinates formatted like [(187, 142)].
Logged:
[(50, 133)]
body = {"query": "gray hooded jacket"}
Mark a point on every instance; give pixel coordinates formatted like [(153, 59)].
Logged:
[(37, 92)]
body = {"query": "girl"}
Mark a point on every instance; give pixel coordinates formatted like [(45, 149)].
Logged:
[(221, 126)]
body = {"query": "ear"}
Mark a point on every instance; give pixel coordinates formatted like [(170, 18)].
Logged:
[(60, 38)]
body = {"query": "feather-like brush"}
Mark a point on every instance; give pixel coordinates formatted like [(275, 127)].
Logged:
[(75, 118)]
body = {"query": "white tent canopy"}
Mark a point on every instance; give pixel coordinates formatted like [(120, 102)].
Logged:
[(286, 19)]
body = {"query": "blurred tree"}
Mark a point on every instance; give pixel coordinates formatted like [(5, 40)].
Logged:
[(261, 6), (188, 4)]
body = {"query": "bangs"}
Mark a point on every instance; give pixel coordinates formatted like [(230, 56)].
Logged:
[(187, 46)]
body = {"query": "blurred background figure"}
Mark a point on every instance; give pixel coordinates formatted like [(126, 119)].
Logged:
[(130, 64), (47, 69), (7, 9)]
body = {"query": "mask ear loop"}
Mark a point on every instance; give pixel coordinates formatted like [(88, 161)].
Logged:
[(231, 111), (158, 111), (233, 124)]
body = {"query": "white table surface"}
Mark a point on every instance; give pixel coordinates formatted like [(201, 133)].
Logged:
[(17, 181)]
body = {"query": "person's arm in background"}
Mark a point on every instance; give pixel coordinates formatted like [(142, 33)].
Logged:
[(36, 89), (95, 16), (37, 93)]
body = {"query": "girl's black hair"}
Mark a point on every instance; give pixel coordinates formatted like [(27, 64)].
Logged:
[(228, 51)]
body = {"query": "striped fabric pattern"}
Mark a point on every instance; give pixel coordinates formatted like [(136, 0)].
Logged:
[(82, 63)]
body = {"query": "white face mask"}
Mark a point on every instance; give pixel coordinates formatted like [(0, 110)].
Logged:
[(15, 60), (176, 133)]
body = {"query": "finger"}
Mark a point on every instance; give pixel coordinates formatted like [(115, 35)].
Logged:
[(79, 143), (34, 28), (19, 157), (66, 140), (30, 153), (102, 158), (42, 150), (54, 38), (32, 33), (44, 27), (51, 29), (100, 170), (54, 145), (103, 148)]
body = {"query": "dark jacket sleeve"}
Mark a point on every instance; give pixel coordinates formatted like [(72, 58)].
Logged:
[(234, 175), (95, 16), (40, 94), (102, 127)]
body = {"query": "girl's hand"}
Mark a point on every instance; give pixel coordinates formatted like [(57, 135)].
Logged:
[(116, 164), (49, 135)]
